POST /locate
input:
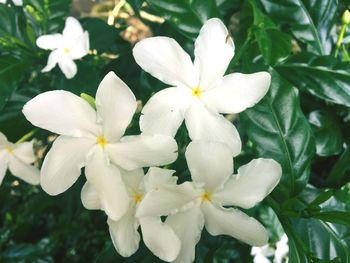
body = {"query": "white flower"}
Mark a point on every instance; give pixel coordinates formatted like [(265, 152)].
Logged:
[(192, 205), (92, 139), (261, 254), (72, 44), (158, 236), (15, 2), (17, 158), (199, 91)]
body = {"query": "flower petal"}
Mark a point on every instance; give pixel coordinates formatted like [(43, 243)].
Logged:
[(160, 238), (26, 172), (53, 59), (3, 163), (107, 181), (124, 233), (210, 164), (49, 42), (232, 222), (203, 124), (132, 179), (3, 141), (62, 164), (90, 198), (81, 46), (68, 67), (253, 182), (214, 50), (62, 112), (238, 91), (18, 2), (25, 152), (165, 111), (165, 59), (188, 227), (72, 28), (157, 177), (134, 152), (116, 104), (168, 199)]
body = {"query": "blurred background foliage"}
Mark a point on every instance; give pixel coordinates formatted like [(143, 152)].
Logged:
[(303, 122)]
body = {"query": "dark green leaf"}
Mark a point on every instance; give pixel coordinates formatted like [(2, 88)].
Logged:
[(311, 21), (340, 170), (324, 77), (328, 136), (280, 131)]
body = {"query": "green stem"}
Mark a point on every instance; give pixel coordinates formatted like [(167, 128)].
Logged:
[(340, 39), (242, 49), (27, 136)]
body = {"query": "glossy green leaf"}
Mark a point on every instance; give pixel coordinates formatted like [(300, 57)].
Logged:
[(187, 16), (328, 135), (322, 76), (280, 131), (311, 21), (340, 171)]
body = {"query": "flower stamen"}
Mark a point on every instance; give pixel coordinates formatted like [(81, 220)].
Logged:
[(9, 150), (206, 196), (66, 50), (196, 92), (101, 141), (137, 197)]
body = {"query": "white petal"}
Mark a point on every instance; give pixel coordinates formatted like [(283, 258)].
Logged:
[(210, 164), (53, 59), (26, 172), (62, 112), (160, 238), (72, 28), (25, 152), (157, 177), (165, 59), (132, 179), (68, 67), (124, 233), (3, 141), (165, 111), (188, 227), (214, 50), (116, 104), (81, 46), (253, 182), (168, 199), (3, 164), (62, 164), (18, 2), (49, 42), (107, 181), (238, 91), (232, 222), (134, 152), (2, 1), (203, 124), (261, 259), (90, 198)]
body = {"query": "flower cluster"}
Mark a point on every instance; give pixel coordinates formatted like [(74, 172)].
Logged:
[(91, 136)]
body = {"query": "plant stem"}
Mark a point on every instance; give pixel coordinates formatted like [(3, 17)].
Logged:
[(340, 39), (27, 136)]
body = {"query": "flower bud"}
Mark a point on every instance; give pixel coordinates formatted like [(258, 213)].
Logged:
[(346, 17)]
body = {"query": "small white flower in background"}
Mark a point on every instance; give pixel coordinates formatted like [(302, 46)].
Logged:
[(72, 44), (193, 205), (15, 2), (94, 139), (18, 159), (199, 91), (158, 236), (280, 254)]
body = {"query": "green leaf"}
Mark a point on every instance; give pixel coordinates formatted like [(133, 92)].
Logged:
[(311, 21), (323, 77), (340, 169), (12, 71), (336, 217), (328, 135), (280, 131), (187, 16)]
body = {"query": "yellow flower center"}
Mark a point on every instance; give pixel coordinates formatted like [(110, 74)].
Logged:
[(196, 92), (9, 150), (101, 141), (66, 50), (206, 196), (137, 198)]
